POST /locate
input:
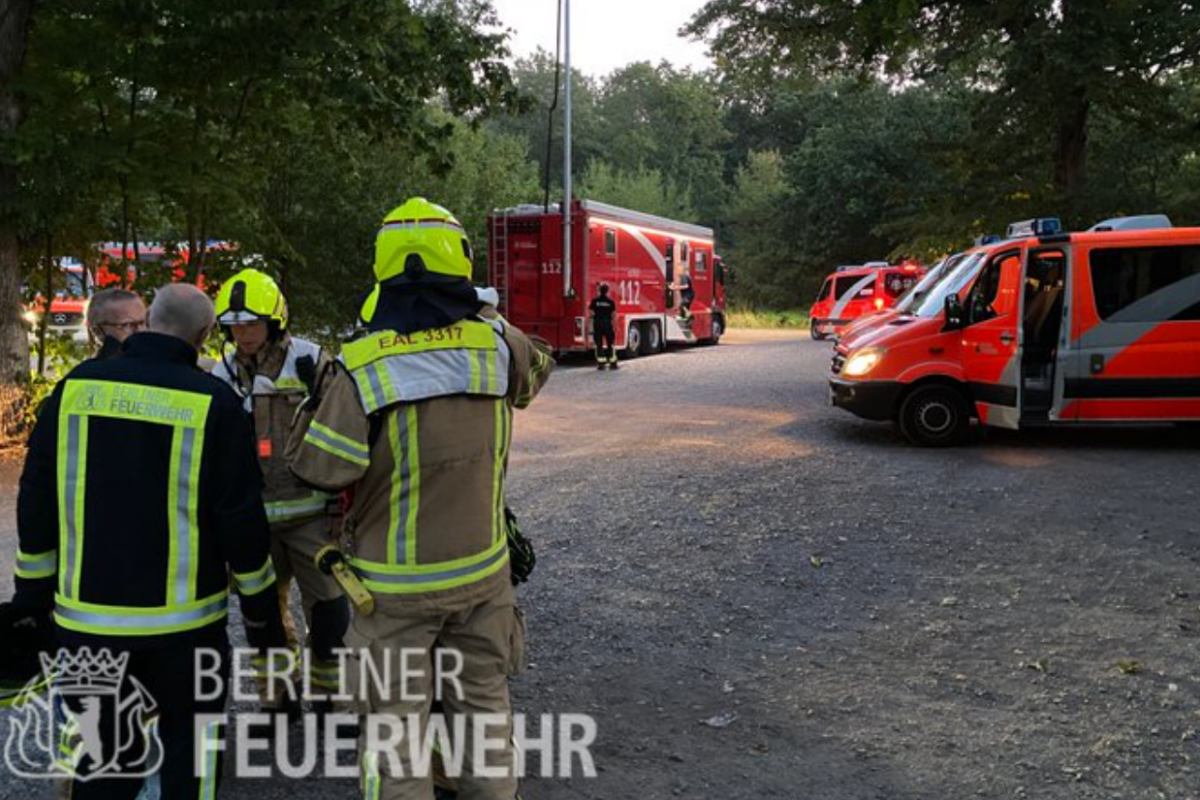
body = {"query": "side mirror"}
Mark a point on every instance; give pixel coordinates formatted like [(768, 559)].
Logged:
[(956, 316)]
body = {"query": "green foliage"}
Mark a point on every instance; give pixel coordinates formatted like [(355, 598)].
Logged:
[(749, 317), (642, 189)]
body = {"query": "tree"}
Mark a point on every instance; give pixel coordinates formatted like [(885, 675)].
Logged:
[(14, 349), (641, 189), (1047, 66)]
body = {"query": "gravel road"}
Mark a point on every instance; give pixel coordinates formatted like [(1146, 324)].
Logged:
[(759, 596)]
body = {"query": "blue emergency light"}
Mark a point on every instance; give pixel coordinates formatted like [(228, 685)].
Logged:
[(1040, 226), (986, 239)]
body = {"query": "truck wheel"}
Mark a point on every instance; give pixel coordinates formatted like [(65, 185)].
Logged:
[(935, 416), (718, 328), (633, 341), (654, 339), (814, 331)]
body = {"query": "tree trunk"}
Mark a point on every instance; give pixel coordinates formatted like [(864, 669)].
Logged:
[(1070, 154), (14, 345)]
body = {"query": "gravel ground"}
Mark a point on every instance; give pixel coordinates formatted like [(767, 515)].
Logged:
[(757, 595)]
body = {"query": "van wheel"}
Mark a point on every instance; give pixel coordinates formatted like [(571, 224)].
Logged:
[(935, 416), (814, 332), (654, 339), (633, 341)]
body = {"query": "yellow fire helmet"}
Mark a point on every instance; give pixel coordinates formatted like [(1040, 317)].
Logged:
[(250, 296), (421, 237)]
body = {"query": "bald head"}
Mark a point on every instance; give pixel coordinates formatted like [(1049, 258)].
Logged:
[(183, 311)]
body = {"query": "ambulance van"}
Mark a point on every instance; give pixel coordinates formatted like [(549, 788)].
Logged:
[(1043, 327)]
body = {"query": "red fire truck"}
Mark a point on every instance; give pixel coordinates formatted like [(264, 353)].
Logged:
[(648, 263)]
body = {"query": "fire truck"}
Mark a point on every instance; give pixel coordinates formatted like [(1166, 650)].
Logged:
[(665, 276)]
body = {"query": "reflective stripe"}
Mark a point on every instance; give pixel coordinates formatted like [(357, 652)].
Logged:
[(501, 445), (398, 579), (182, 518), (464, 335), (138, 621), (406, 486), (289, 510), (336, 444), (288, 380), (72, 468), (371, 783), (436, 373), (411, 224), (208, 767), (135, 402), (251, 583), (32, 566)]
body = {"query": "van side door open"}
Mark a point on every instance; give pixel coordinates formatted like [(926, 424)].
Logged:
[(991, 350)]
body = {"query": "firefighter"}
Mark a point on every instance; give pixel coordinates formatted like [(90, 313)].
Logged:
[(416, 420), (147, 580), (687, 295), (604, 309), (274, 372), (113, 315)]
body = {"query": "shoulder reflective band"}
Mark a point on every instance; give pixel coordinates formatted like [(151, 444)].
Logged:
[(32, 566), (465, 335), (334, 443), (280, 511), (413, 579), (135, 402), (251, 583), (139, 621)]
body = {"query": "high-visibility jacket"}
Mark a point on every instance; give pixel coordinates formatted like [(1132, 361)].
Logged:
[(272, 386), (420, 426), (140, 495)]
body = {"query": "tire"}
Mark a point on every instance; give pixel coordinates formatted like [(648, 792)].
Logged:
[(935, 416), (814, 332), (718, 329), (653, 342), (633, 341)]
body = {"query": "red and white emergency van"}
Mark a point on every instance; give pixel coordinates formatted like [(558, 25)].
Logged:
[(854, 291), (647, 261), (1043, 327)]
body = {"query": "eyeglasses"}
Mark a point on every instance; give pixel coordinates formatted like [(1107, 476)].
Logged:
[(133, 326)]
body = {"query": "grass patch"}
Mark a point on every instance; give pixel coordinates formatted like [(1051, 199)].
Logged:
[(754, 318)]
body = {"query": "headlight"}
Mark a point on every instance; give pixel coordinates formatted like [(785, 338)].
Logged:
[(862, 362), (31, 317)]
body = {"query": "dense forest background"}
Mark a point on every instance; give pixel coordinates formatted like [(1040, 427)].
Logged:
[(826, 133)]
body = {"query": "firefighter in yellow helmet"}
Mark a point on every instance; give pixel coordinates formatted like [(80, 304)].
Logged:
[(416, 420), (273, 372)]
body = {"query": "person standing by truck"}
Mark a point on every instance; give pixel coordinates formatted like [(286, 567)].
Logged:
[(604, 311)]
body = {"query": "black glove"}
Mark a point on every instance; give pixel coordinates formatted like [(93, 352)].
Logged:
[(522, 559), (24, 637)]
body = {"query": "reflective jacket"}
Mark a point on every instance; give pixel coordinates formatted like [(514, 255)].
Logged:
[(420, 426), (140, 495), (272, 386)]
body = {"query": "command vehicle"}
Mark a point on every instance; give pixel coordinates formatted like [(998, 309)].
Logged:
[(854, 291), (643, 258), (1043, 327)]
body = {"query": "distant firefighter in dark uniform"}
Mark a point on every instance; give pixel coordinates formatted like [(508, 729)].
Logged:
[(604, 310)]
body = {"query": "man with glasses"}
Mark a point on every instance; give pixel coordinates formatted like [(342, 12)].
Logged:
[(113, 315)]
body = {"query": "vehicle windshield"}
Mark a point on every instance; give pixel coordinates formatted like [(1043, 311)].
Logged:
[(913, 296), (952, 282)]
